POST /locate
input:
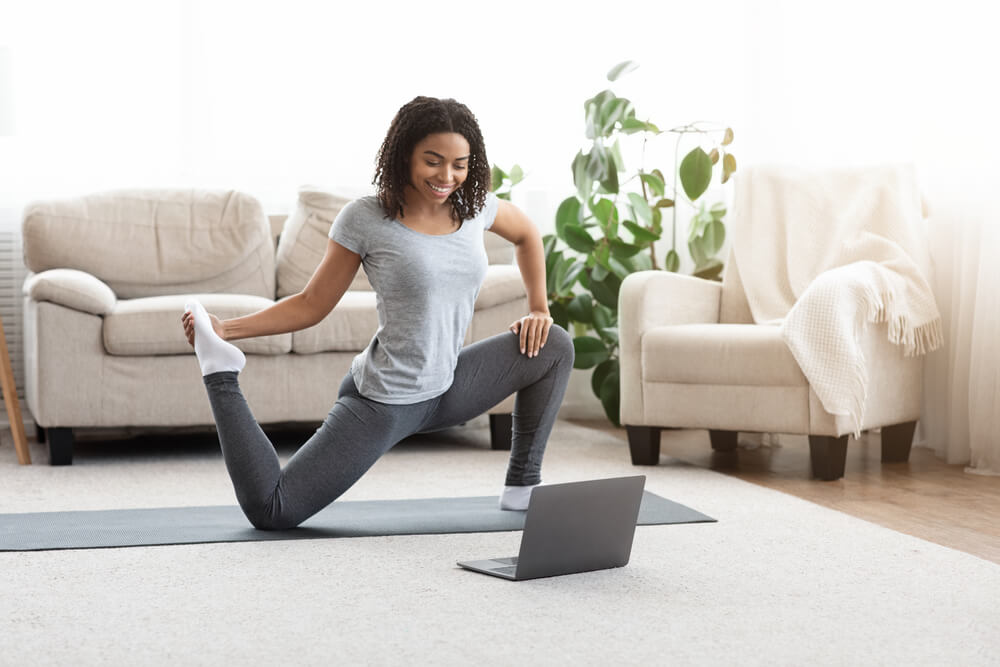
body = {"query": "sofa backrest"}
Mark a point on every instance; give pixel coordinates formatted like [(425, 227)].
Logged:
[(145, 242)]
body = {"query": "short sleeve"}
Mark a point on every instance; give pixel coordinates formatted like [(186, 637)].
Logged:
[(490, 210), (348, 228)]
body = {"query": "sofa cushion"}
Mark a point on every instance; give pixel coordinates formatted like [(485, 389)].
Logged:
[(720, 354), (351, 325), (155, 242), (152, 325), (304, 239), (348, 328)]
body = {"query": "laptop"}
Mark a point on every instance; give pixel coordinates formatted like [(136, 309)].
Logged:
[(573, 527)]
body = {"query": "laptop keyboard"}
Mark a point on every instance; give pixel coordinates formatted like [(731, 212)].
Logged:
[(506, 561), (505, 570)]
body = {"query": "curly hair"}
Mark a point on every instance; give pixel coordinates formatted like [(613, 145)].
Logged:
[(414, 121)]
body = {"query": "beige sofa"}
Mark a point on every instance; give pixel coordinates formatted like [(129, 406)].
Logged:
[(111, 273)]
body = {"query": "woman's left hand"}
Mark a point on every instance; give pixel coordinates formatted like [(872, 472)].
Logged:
[(533, 330)]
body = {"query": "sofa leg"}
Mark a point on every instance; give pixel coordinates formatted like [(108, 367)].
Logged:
[(724, 441), (644, 444), (828, 456), (39, 434), (501, 429), (60, 446), (896, 442)]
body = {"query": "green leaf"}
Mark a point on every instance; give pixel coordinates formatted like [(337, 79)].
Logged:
[(696, 173), (552, 260), (589, 351), (597, 162), (609, 334), (655, 183), (591, 121), (618, 268), (568, 214), (611, 113), (559, 313), (580, 179), (572, 273), (718, 210), (601, 254), (710, 270), (516, 175), (672, 261), (610, 184), (604, 317), (600, 372), (581, 308), (597, 274), (603, 210), (641, 207), (728, 137), (641, 234), (616, 153), (728, 166), (621, 69), (611, 396), (642, 262), (697, 249), (715, 236), (549, 244), (578, 239), (624, 250), (497, 175), (606, 291)]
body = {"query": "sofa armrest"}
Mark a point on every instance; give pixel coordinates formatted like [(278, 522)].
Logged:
[(649, 299), (71, 288)]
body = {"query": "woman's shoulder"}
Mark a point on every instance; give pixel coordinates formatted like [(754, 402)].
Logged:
[(363, 208)]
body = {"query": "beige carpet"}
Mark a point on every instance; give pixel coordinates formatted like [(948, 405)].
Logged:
[(776, 581)]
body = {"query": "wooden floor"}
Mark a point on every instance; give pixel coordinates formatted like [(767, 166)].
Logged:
[(925, 497)]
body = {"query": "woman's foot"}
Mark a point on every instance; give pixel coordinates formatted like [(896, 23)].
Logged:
[(516, 497), (214, 354)]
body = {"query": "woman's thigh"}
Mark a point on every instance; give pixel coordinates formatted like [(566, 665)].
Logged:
[(489, 371)]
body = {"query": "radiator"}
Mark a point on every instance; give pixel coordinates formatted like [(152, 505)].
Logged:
[(12, 275)]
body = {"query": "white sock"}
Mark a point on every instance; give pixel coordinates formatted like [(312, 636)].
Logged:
[(516, 497), (214, 354)]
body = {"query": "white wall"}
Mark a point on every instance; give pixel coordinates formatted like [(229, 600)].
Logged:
[(267, 96)]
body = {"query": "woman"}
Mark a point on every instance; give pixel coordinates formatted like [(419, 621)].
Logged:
[(420, 240)]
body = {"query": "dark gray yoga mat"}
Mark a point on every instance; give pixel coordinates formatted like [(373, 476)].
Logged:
[(40, 531)]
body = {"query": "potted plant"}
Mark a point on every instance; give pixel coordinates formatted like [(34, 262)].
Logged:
[(609, 227)]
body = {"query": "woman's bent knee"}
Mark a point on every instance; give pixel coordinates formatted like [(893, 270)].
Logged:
[(560, 342), (266, 516)]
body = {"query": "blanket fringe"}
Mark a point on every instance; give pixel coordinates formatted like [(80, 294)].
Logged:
[(915, 341)]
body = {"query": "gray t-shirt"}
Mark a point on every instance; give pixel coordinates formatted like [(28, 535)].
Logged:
[(425, 286)]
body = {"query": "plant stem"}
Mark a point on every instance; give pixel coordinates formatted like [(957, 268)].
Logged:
[(642, 170)]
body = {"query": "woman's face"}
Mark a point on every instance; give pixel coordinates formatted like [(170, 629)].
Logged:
[(439, 165)]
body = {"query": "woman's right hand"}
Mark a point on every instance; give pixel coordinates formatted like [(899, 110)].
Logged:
[(188, 320)]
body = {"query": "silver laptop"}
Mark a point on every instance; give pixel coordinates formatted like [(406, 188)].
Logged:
[(574, 527)]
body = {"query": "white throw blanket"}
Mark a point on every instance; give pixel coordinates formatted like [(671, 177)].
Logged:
[(825, 254)]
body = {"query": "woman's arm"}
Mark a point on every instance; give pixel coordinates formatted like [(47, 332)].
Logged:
[(325, 288), (517, 228)]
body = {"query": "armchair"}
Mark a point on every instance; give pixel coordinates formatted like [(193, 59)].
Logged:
[(691, 357)]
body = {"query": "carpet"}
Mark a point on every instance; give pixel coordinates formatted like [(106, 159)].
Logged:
[(776, 581)]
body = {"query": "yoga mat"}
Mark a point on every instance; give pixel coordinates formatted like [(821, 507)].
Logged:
[(92, 529)]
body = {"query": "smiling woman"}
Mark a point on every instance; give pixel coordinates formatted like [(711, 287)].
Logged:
[(420, 239)]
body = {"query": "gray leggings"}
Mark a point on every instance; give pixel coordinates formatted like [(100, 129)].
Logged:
[(358, 430)]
